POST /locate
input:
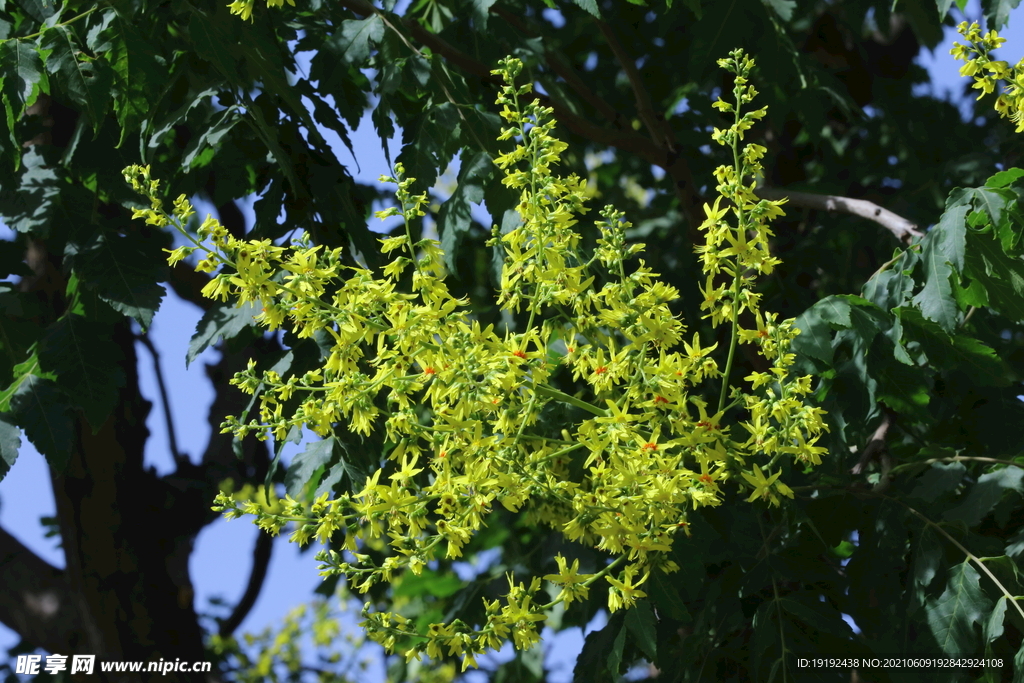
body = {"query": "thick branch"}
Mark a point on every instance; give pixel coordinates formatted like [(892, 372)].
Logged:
[(36, 602), (903, 229), (874, 450)]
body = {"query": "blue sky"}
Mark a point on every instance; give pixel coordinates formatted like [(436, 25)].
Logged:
[(221, 562)]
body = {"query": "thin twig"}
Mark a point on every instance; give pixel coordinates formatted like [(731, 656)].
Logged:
[(955, 458), (65, 23), (970, 556), (899, 226), (164, 397)]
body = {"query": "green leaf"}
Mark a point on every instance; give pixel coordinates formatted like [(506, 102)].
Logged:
[(984, 495), (221, 321), (479, 10), (943, 6), (210, 137), (454, 219), (1015, 544), (997, 12), (952, 227), (641, 623), (927, 557), (615, 654), (973, 294), (784, 8), (816, 325), (593, 663), (900, 386), (86, 364), (212, 43), (835, 310), (994, 624), (40, 10), (17, 333), (989, 200), (590, 6), (960, 352), (347, 86), (43, 412), (136, 73), (325, 116), (1001, 275), (941, 478), (86, 83), (894, 286), (953, 616), (665, 597), (305, 465), (981, 361), (1004, 178), (432, 140), (126, 271), (163, 126), (356, 38), (936, 299), (820, 618), (10, 442), (22, 78), (766, 631), (33, 206)]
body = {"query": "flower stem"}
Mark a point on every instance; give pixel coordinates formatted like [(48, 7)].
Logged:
[(740, 227)]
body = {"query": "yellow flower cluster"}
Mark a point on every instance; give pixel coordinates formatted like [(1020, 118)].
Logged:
[(460, 404), (243, 8), (987, 72)]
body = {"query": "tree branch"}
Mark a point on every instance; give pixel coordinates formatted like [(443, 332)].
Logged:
[(900, 227), (260, 561), (164, 397), (875, 450), (36, 601)]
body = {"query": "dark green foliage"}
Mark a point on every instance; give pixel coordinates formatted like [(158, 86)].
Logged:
[(922, 341), (221, 321)]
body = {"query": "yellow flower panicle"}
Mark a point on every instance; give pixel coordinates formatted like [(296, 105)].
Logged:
[(461, 403), (988, 72)]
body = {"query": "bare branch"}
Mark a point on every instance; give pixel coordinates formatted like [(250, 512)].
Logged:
[(164, 398), (874, 449), (260, 561), (899, 226), (36, 601)]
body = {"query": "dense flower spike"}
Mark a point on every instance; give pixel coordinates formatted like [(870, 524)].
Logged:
[(461, 404)]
